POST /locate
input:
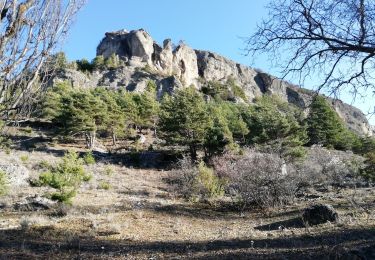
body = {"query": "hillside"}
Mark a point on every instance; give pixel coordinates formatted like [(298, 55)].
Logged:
[(174, 67), (150, 152)]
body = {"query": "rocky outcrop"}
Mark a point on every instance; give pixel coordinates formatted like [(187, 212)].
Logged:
[(213, 67), (138, 49), (173, 67)]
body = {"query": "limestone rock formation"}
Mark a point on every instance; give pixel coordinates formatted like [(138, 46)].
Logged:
[(173, 67)]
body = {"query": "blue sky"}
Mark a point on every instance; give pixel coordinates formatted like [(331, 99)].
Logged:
[(215, 25)]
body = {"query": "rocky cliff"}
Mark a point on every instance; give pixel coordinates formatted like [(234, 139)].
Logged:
[(174, 67)]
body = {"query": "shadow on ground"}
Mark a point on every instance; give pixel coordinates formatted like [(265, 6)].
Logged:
[(156, 159), (52, 243), (280, 225)]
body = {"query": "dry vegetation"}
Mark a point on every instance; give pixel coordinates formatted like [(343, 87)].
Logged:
[(126, 212)]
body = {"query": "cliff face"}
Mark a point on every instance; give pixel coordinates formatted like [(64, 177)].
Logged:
[(176, 67)]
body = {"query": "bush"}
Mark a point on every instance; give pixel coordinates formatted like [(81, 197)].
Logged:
[(89, 158), (3, 183), (109, 170), (257, 179), (24, 158), (323, 167), (104, 185), (183, 177), (211, 185), (196, 182), (66, 177)]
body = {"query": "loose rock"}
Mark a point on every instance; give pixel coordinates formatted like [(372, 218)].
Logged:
[(319, 214)]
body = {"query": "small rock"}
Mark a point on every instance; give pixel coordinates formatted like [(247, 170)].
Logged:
[(319, 214)]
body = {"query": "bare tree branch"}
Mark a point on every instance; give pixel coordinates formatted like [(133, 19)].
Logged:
[(30, 30), (331, 40)]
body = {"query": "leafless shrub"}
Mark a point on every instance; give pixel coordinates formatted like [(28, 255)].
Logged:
[(327, 167), (183, 177), (257, 179)]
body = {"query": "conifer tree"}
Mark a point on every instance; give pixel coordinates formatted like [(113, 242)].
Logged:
[(82, 112), (324, 126), (184, 119)]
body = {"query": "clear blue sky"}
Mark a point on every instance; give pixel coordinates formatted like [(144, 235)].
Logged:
[(215, 25)]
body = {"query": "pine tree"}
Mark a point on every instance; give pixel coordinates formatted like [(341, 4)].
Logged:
[(114, 119), (184, 119), (324, 126), (218, 136), (98, 62), (270, 119), (82, 112)]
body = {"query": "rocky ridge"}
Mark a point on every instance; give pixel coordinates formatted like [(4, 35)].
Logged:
[(173, 67)]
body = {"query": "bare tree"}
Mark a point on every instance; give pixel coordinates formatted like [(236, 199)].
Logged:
[(333, 41), (29, 32)]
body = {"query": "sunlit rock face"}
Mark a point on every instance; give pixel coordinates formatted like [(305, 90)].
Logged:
[(173, 67)]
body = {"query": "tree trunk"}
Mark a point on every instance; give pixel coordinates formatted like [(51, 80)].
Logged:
[(114, 139), (87, 138), (193, 152), (90, 139)]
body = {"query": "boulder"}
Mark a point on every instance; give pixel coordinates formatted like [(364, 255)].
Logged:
[(319, 214)]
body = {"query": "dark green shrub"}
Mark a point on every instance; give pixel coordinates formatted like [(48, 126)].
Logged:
[(196, 182), (84, 65), (66, 177)]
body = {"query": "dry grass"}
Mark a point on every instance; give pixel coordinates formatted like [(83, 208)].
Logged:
[(138, 219)]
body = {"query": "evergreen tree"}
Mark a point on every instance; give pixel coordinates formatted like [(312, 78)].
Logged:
[(99, 63), (126, 100), (51, 106), (271, 119), (84, 65), (233, 114), (113, 62), (148, 106), (218, 136), (82, 112), (324, 126), (58, 61), (114, 119), (184, 119)]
